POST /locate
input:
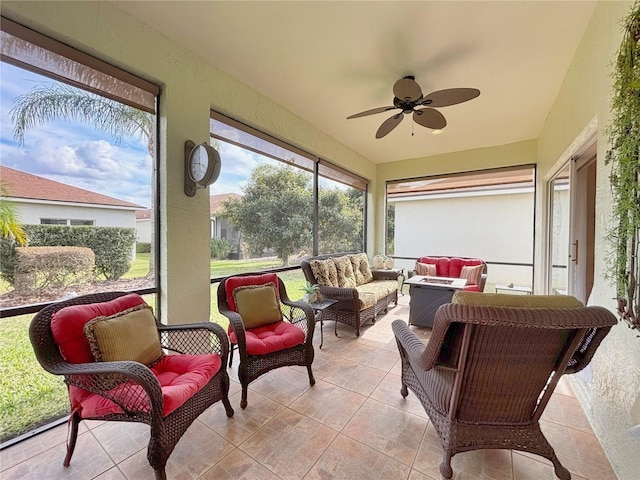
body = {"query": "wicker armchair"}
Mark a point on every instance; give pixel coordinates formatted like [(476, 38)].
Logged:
[(129, 391), (284, 341), (488, 372)]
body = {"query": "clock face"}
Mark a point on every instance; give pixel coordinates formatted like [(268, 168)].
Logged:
[(199, 163)]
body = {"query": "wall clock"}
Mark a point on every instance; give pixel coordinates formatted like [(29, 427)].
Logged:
[(201, 166)]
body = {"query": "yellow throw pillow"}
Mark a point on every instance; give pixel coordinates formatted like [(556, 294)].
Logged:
[(128, 335), (257, 304), (361, 270), (426, 269), (345, 274), (473, 274), (520, 301), (325, 272)]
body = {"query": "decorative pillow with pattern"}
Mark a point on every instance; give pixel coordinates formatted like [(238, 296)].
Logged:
[(258, 305), (472, 274), (128, 335), (344, 269), (426, 269), (361, 270), (325, 272)]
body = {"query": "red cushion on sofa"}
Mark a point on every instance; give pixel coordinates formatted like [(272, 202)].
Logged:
[(234, 282), (441, 263), (180, 377), (67, 325), (456, 264), (270, 338)]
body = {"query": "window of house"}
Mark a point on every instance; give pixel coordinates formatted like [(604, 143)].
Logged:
[(488, 214), (61, 166)]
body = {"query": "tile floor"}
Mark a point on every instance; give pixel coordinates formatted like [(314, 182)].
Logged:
[(353, 424)]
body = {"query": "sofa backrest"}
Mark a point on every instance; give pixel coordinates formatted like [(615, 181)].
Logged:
[(359, 264)]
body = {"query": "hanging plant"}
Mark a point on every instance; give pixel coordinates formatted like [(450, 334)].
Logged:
[(624, 157)]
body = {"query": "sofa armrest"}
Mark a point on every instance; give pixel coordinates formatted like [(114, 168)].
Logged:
[(392, 274)]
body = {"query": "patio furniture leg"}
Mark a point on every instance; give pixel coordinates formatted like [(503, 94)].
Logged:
[(243, 401), (445, 467), (312, 381), (74, 421), (161, 474), (231, 355)]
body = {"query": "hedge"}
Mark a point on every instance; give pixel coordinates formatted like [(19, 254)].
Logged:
[(112, 246)]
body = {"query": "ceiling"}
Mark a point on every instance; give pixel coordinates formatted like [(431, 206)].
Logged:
[(326, 60)]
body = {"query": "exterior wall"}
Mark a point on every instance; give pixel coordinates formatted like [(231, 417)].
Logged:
[(31, 213), (143, 230), (493, 227), (190, 88), (612, 384)]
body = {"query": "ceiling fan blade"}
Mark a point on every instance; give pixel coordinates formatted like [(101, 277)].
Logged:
[(389, 124), (430, 118), (407, 89), (373, 111), (450, 96)]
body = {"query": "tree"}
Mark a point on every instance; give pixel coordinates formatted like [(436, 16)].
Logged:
[(9, 220), (275, 211), (45, 103), (339, 222)]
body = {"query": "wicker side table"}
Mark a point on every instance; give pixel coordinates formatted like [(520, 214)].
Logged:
[(319, 309)]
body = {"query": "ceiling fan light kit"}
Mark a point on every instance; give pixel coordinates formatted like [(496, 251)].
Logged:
[(409, 99)]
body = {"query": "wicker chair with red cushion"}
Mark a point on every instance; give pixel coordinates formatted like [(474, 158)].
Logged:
[(184, 374), (269, 330), (488, 371)]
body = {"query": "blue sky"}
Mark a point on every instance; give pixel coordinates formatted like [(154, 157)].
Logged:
[(76, 154)]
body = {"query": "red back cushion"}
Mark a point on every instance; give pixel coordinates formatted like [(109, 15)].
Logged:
[(67, 325), (233, 282), (456, 264), (441, 263)]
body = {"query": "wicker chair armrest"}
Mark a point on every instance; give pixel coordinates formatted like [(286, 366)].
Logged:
[(195, 338), (103, 377), (385, 274), (339, 293), (409, 341), (235, 321), (300, 314)]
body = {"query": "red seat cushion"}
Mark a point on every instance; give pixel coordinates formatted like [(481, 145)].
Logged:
[(180, 377), (270, 338), (67, 325), (234, 282)]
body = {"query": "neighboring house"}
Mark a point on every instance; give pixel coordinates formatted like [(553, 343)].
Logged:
[(220, 227), (143, 225), (40, 201)]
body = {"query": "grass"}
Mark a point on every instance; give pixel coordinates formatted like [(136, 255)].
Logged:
[(30, 396)]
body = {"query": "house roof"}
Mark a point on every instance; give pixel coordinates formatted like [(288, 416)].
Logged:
[(215, 201), (28, 186), (143, 214)]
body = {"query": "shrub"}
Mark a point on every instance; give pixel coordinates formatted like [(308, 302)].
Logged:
[(112, 246), (143, 247), (52, 268), (220, 248)]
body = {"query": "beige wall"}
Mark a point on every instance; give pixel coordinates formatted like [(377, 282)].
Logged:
[(190, 87), (583, 102)]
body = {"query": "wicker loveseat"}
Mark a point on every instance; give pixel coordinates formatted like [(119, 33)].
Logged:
[(361, 293)]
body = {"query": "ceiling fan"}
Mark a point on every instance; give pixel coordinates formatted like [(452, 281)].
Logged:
[(408, 98)]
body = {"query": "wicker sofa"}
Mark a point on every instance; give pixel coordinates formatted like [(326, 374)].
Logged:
[(361, 293)]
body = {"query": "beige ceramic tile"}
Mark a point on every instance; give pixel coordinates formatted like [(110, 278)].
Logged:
[(529, 468), (329, 404), (483, 464), (122, 439), (564, 387), (429, 454), (245, 422), (373, 357), (238, 466), (111, 474), (347, 459), (89, 460), (566, 411), (282, 385), (416, 475), (289, 444), (390, 431), (388, 391), (356, 377)]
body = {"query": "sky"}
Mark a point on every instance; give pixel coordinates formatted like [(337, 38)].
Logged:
[(76, 154)]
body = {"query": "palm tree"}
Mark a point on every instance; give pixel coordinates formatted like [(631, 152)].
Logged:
[(9, 221), (46, 103)]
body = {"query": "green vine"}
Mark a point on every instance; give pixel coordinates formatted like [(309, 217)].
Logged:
[(624, 157)]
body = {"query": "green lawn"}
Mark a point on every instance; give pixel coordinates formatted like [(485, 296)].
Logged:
[(29, 396)]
